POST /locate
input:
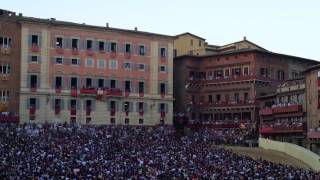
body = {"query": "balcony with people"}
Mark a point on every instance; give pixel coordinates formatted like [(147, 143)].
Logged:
[(281, 108), (283, 126), (223, 76), (9, 117)]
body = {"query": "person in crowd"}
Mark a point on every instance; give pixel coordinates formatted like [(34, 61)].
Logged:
[(62, 151)]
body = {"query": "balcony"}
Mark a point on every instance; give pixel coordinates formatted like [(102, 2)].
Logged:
[(314, 135), (281, 129), (4, 77), (57, 110), (141, 112), (89, 91), (32, 110), (5, 50), (35, 48), (113, 92), (226, 104), (58, 90), (75, 51), (222, 125), (9, 119), (163, 95), (141, 94), (203, 81), (113, 54), (287, 109), (33, 88), (73, 111), (127, 93), (59, 50), (265, 112), (90, 52), (112, 112), (74, 92), (162, 114), (127, 55), (88, 111)]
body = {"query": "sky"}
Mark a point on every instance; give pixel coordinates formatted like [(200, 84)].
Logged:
[(283, 26)]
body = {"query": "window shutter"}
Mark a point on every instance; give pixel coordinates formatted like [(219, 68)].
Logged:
[(78, 83), (145, 89), (29, 58), (146, 52), (53, 82), (145, 107), (37, 103), (93, 105), (28, 81), (136, 107), (69, 104), (61, 104), (30, 40), (146, 68), (133, 49), (118, 47), (64, 43), (95, 45), (40, 39), (53, 103), (38, 81), (166, 107), (166, 88), (108, 105), (53, 60), (117, 105), (81, 44), (28, 103), (131, 106), (159, 107), (78, 102), (62, 82), (67, 82), (123, 107), (108, 46), (39, 59), (79, 62)]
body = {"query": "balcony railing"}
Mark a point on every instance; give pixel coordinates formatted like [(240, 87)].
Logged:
[(91, 91), (59, 50), (314, 135), (73, 111), (113, 92), (225, 125), (265, 112), (225, 104), (35, 48), (5, 50), (274, 129), (287, 109), (90, 52), (9, 118), (226, 79), (113, 54), (127, 55), (75, 51)]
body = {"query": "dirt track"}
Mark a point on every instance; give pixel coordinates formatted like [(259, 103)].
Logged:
[(269, 155)]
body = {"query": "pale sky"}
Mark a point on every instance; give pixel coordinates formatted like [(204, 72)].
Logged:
[(283, 26)]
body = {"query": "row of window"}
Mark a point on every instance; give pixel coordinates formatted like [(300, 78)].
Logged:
[(101, 45), (5, 42), (237, 71), (100, 63), (4, 95), (74, 104), (227, 98), (266, 72), (4, 68), (75, 82)]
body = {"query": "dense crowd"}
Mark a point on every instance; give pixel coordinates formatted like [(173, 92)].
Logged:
[(122, 152)]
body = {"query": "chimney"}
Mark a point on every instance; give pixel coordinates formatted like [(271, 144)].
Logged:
[(135, 28), (244, 38), (107, 25), (20, 14)]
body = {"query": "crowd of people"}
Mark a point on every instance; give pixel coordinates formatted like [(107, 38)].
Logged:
[(61, 151)]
